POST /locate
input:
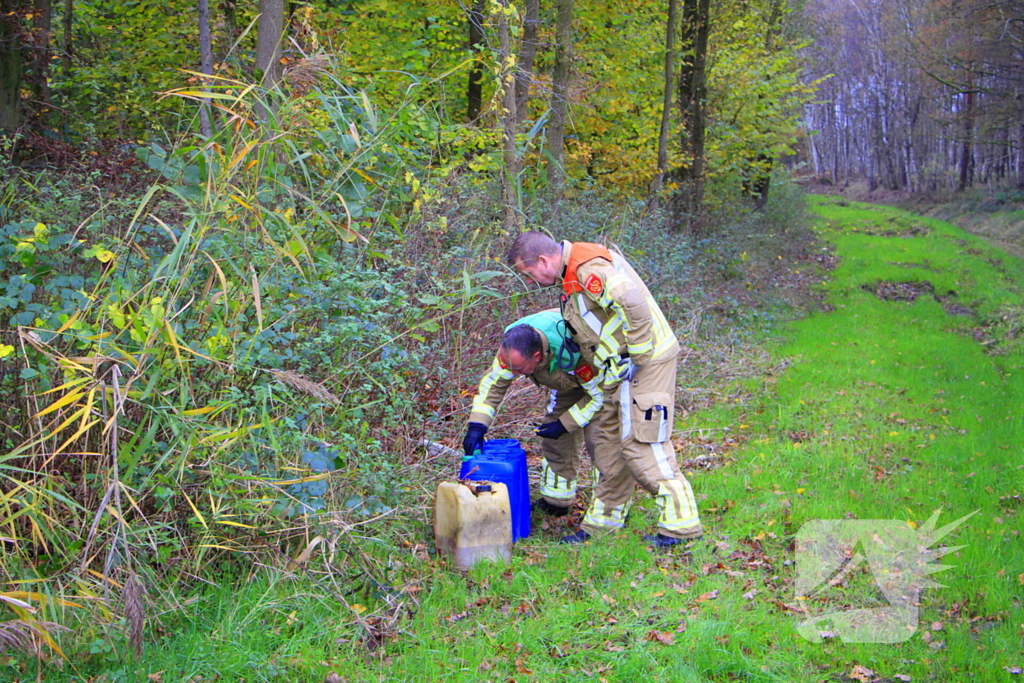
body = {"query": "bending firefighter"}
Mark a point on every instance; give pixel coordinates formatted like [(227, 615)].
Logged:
[(539, 347), (624, 335)]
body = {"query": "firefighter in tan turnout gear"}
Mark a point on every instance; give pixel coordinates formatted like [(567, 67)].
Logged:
[(624, 335), (539, 347)]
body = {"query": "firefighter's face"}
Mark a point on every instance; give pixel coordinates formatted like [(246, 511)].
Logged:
[(518, 363), (544, 272)]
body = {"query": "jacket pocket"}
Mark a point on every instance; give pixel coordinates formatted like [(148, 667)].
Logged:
[(652, 417)]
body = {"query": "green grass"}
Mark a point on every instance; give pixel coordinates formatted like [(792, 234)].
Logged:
[(885, 410)]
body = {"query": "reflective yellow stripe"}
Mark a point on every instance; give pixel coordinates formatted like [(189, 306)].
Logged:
[(664, 346), (637, 349), (597, 515), (583, 417), (616, 279), (677, 506), (554, 486), (483, 402), (483, 408), (592, 405)]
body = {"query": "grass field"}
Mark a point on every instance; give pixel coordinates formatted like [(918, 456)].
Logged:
[(898, 399)]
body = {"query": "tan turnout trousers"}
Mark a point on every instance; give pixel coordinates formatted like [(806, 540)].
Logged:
[(633, 443), (562, 455)]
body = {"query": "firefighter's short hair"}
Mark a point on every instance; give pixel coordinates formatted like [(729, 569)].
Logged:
[(529, 246), (524, 339)]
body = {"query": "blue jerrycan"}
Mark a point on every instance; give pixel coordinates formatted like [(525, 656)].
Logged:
[(504, 460)]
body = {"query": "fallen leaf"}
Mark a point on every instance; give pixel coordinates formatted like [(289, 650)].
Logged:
[(485, 666), (825, 635), (681, 628), (609, 646), (710, 595), (334, 678), (938, 645), (749, 595), (157, 677), (861, 673), (521, 667), (936, 625), (1014, 669), (903, 677), (665, 638)]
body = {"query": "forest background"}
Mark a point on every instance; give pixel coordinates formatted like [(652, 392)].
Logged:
[(252, 252)]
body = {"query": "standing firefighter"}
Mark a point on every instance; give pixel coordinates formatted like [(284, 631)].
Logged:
[(625, 337), (539, 347)]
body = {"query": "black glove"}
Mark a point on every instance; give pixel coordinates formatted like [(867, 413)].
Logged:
[(474, 439), (552, 430)]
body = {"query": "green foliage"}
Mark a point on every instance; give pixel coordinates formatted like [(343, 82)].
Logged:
[(236, 324)]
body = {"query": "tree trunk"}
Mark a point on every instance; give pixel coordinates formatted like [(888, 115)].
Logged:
[(268, 51), (10, 65), (560, 96), (692, 97), (527, 52), (1020, 143), (42, 15), (666, 103), (508, 116), (66, 43), (965, 153), (205, 64), (761, 180), (230, 10), (474, 91)]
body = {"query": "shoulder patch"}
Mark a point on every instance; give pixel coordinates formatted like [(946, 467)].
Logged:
[(584, 373), (594, 285)]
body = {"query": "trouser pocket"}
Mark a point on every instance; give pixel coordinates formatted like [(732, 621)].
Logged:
[(652, 417)]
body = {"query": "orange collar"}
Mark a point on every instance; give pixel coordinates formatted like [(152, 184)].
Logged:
[(580, 253)]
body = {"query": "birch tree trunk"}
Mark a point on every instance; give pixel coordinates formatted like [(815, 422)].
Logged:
[(560, 96)]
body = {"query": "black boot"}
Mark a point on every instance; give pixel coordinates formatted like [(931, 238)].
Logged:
[(580, 536), (552, 510), (662, 541)]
